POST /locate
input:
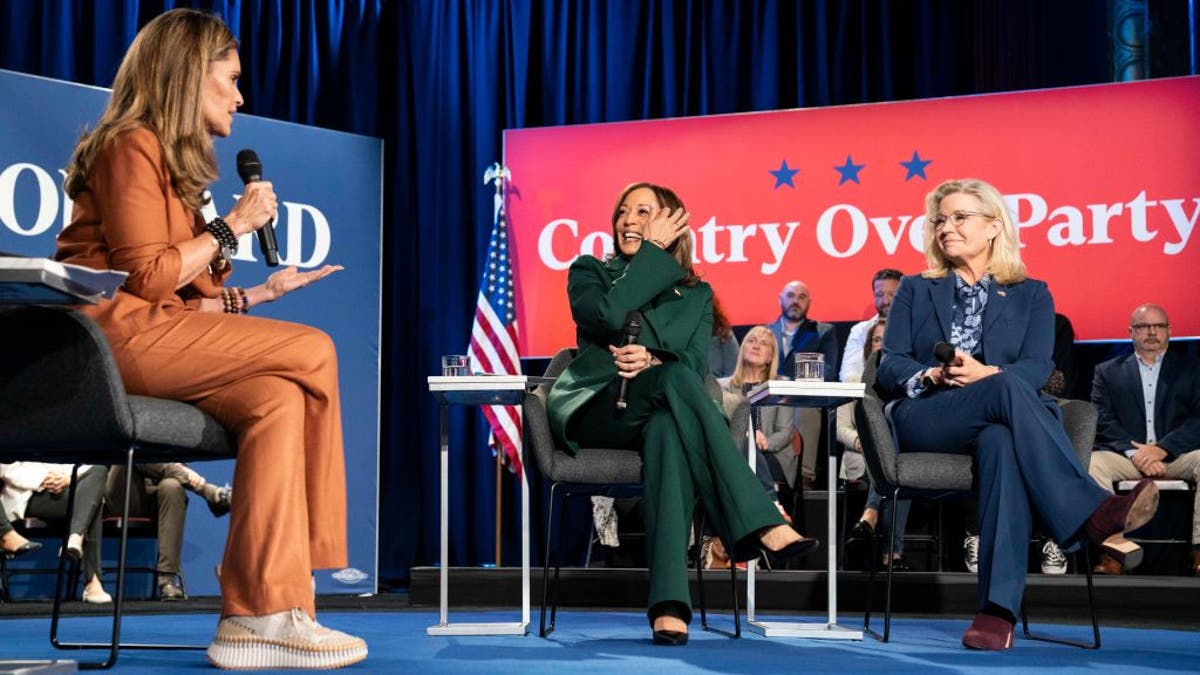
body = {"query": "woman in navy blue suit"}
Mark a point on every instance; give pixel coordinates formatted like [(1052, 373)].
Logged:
[(976, 296)]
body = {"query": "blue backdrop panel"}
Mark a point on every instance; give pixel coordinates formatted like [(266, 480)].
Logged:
[(329, 185)]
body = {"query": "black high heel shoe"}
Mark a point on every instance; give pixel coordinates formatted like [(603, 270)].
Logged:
[(27, 547), (861, 533), (803, 546)]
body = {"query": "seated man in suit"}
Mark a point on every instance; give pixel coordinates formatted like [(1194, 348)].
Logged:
[(794, 333), (1149, 405)]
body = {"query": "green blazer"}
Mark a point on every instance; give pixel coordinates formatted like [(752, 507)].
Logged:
[(676, 325)]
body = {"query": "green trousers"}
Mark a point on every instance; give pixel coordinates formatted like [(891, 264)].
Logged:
[(687, 452)]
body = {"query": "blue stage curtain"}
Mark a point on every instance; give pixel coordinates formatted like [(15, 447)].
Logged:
[(439, 80)]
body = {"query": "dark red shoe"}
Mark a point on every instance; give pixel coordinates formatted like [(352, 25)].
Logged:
[(989, 633), (1120, 514)]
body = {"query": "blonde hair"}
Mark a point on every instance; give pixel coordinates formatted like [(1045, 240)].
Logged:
[(681, 248), (739, 371), (158, 86), (1004, 261)]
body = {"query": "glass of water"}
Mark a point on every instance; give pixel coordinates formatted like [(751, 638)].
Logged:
[(456, 365), (810, 366)]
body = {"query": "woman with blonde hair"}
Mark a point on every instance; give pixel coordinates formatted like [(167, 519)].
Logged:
[(758, 361), (985, 401), (179, 332)]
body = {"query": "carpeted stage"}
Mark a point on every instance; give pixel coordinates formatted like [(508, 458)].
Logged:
[(1148, 624)]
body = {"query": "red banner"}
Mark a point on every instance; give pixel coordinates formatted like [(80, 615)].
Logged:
[(1103, 182)]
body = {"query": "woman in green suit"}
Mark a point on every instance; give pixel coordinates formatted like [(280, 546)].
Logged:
[(687, 450)]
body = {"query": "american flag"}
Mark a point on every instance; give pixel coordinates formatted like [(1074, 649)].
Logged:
[(494, 335)]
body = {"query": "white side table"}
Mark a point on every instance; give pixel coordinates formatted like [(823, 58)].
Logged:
[(827, 396), (475, 390)]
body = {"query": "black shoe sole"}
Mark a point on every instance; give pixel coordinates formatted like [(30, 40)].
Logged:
[(670, 638)]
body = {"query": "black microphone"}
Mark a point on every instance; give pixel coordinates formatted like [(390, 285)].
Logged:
[(632, 329), (944, 353), (250, 169)]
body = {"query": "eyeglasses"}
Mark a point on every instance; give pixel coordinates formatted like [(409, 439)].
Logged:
[(957, 218), (1146, 327)]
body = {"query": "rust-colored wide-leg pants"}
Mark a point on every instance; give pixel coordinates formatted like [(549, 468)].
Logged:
[(274, 385)]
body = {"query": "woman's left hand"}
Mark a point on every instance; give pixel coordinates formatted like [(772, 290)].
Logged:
[(760, 439), (630, 360), (289, 279), (966, 370)]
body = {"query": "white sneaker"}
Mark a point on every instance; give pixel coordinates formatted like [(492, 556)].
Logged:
[(289, 639), (971, 553), (1053, 560)]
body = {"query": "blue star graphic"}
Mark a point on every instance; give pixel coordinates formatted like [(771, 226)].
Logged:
[(783, 175), (849, 171), (916, 166)]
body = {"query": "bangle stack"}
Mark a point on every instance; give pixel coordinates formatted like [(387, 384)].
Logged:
[(227, 243), (235, 300)]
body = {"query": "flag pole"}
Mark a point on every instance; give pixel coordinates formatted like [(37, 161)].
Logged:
[(497, 173)]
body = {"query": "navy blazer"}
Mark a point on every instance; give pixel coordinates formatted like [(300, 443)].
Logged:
[(1117, 393), (817, 336), (1018, 330)]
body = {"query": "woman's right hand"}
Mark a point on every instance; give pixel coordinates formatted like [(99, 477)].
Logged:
[(257, 205), (630, 360), (666, 226)]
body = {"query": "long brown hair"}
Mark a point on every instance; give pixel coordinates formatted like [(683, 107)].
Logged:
[(158, 86), (681, 248), (721, 329)]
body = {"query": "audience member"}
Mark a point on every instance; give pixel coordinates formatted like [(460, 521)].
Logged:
[(662, 409), (855, 467), (757, 363), (165, 485), (1149, 427), (795, 333), (723, 348), (883, 287), (39, 490)]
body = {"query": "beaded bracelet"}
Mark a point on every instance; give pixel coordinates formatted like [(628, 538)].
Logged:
[(245, 299), (227, 301), (227, 243)]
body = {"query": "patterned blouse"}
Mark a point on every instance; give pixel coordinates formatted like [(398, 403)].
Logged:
[(966, 323)]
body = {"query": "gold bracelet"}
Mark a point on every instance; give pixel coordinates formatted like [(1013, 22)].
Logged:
[(658, 243)]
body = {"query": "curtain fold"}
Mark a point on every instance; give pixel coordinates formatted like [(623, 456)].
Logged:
[(439, 80)]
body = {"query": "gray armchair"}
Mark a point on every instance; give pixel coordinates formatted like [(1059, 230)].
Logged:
[(611, 472), (62, 400), (934, 476)]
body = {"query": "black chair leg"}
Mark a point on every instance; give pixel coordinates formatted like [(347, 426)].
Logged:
[(547, 554), (737, 619), (60, 593), (872, 566), (1095, 643)]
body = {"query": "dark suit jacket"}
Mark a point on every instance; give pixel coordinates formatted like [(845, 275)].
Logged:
[(811, 336), (1117, 393), (1018, 330), (676, 323)]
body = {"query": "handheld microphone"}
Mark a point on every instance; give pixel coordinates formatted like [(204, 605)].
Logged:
[(944, 353), (250, 169), (632, 329)]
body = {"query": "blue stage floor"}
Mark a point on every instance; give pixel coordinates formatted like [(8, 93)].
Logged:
[(618, 642)]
